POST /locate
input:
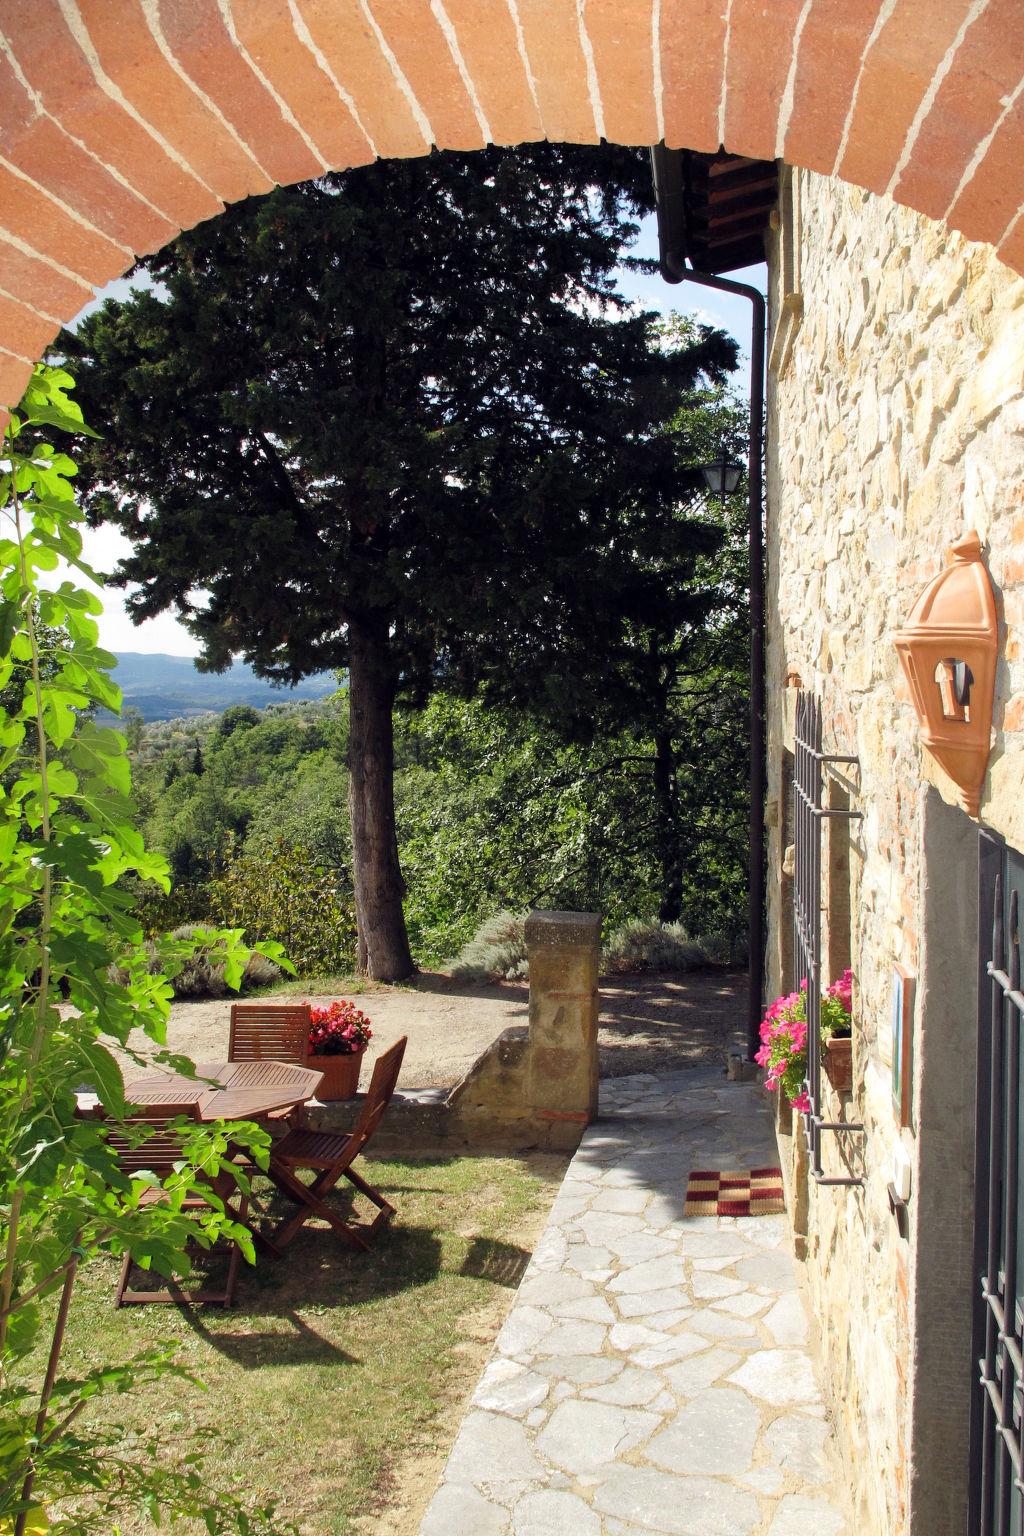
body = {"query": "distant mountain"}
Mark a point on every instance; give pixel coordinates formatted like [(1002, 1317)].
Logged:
[(166, 687)]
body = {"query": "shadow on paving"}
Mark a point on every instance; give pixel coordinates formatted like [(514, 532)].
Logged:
[(664, 1022)]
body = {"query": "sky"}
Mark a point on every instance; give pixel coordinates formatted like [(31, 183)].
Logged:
[(105, 546)]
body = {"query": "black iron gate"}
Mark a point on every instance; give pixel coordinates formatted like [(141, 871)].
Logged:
[(997, 1485), (808, 815)]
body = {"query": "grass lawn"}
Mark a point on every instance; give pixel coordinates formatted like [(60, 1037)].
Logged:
[(328, 985), (335, 1381)]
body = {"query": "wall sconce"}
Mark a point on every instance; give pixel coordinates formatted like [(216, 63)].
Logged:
[(948, 653)]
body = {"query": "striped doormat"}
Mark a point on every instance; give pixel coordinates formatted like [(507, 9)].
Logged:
[(743, 1192)]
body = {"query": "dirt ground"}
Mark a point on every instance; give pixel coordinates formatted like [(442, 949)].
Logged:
[(649, 1023)]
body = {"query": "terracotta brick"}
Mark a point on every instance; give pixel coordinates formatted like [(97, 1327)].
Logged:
[(40, 147), (27, 212), (760, 50), (967, 106), (14, 375), (832, 44), (897, 73), (553, 47), (622, 40), (347, 42), (418, 43), (57, 69), (989, 202), (489, 47), (692, 51), (265, 29), (203, 47), (38, 285), (22, 330), (129, 54)]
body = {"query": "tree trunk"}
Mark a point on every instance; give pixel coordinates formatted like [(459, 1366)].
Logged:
[(665, 810), (376, 872)]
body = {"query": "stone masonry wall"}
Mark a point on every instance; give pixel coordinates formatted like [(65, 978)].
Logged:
[(896, 422)]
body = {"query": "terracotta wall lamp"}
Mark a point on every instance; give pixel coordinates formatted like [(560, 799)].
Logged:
[(948, 653)]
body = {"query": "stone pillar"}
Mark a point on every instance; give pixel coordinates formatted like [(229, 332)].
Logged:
[(564, 950)]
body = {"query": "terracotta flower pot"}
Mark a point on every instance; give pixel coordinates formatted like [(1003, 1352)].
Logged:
[(838, 1060), (340, 1074)]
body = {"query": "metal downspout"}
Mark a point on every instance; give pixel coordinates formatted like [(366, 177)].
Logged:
[(668, 187)]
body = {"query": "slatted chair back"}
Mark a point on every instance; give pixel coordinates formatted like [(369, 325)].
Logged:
[(162, 1147), (383, 1082), (269, 1032)]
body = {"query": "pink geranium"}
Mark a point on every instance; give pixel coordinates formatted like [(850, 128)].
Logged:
[(784, 1035)]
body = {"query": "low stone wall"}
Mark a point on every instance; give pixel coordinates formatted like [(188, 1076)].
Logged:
[(533, 1087)]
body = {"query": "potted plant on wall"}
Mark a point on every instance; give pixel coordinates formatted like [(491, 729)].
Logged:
[(338, 1035), (784, 1040)]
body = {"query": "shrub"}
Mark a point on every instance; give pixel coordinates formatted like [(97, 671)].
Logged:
[(724, 947), (283, 893), (497, 952), (201, 974), (647, 945)]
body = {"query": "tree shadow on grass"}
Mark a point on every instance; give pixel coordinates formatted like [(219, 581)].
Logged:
[(274, 1319), (315, 1274)]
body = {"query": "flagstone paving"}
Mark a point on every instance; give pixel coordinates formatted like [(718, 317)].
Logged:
[(654, 1374)]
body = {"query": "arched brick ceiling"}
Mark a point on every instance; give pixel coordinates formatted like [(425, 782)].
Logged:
[(124, 121)]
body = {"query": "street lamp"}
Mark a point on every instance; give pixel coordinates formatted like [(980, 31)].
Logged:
[(722, 475)]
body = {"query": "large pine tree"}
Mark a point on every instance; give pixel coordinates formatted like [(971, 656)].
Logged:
[(388, 421)]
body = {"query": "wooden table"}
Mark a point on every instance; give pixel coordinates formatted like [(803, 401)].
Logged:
[(239, 1090)]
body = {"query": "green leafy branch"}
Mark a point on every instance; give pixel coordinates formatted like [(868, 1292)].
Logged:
[(74, 983)]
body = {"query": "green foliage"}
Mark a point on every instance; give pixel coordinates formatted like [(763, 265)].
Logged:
[(66, 842), (652, 946), (429, 469), (496, 812), (284, 895), (377, 440), (201, 973), (497, 952), (270, 774)]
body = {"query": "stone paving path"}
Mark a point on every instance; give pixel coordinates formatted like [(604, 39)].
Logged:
[(654, 1373)]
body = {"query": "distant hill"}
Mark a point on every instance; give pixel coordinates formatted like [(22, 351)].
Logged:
[(167, 687)]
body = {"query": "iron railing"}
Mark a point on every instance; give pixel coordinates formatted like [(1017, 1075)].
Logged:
[(809, 813), (997, 1473)]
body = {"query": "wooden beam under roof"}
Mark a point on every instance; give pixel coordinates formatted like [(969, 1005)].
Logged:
[(726, 206)]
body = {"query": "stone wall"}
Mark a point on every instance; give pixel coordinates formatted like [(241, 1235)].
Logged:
[(896, 422), (532, 1088)]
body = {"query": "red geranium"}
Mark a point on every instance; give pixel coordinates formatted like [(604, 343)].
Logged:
[(339, 1029)]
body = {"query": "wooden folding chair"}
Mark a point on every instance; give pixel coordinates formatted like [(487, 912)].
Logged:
[(330, 1156), (269, 1032), (158, 1154)]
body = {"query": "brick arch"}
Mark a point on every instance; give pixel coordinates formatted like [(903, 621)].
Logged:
[(123, 123)]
